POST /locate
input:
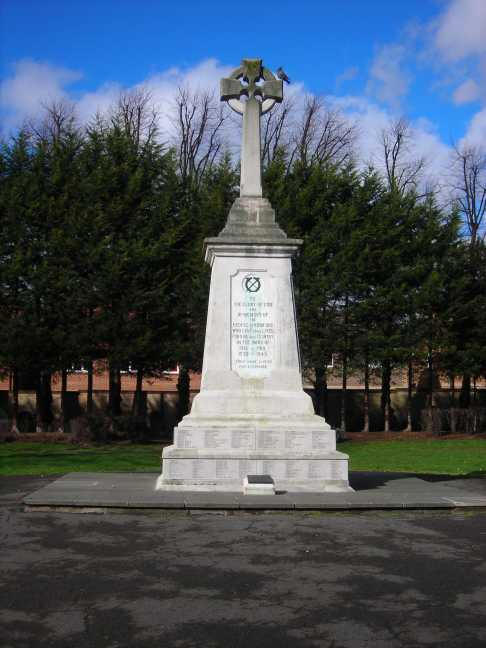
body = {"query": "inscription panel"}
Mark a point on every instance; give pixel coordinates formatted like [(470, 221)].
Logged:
[(242, 439), (297, 440), (225, 469), (296, 470), (253, 309), (274, 468), (178, 468), (187, 439), (320, 441), (203, 468), (316, 470), (269, 440), (338, 470), (246, 467), (215, 439)]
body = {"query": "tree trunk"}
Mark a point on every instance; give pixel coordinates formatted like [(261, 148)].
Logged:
[(344, 393), (14, 382), (89, 393), (465, 395), (430, 367), (183, 391), (114, 394), (386, 414), (409, 395), (452, 405), (137, 405), (475, 407), (321, 392), (63, 425), (43, 402), (366, 403), (345, 366), (385, 393)]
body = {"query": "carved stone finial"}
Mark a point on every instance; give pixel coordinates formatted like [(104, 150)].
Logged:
[(251, 71), (262, 90)]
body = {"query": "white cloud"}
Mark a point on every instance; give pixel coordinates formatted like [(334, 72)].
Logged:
[(461, 30), (459, 38), (348, 74), (466, 92), (428, 145), (476, 131), (371, 120), (32, 84), (203, 77), (389, 81), (98, 101)]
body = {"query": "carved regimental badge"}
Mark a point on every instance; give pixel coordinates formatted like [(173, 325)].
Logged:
[(252, 284)]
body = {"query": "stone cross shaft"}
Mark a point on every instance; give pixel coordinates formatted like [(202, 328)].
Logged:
[(262, 90)]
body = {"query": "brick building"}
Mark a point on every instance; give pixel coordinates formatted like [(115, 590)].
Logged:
[(161, 397)]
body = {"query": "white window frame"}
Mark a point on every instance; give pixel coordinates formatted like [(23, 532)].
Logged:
[(82, 370)]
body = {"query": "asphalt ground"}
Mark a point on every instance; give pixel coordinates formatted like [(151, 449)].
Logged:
[(196, 578)]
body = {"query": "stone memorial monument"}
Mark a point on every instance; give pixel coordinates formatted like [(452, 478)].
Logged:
[(252, 416)]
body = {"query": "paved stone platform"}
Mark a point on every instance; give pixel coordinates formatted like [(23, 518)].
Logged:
[(82, 492)]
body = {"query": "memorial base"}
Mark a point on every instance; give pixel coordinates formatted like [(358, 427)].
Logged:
[(299, 455)]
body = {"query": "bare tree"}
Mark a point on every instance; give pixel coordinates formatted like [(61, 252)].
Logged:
[(403, 174), (275, 126), (323, 136), (198, 121), (469, 187), (57, 119), (136, 114), (403, 171)]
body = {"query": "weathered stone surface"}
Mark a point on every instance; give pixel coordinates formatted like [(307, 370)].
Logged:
[(251, 220), (252, 415), (262, 90)]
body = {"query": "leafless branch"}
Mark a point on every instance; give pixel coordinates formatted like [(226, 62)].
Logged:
[(403, 173), (469, 187), (323, 135), (57, 120), (136, 115), (274, 127), (198, 121)]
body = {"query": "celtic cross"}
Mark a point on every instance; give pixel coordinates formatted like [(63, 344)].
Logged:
[(262, 90)]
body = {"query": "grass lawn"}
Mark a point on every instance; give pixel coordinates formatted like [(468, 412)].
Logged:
[(20, 458), (441, 456), (433, 456)]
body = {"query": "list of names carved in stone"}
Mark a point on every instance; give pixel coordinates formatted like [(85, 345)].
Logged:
[(320, 441), (242, 439), (215, 439), (186, 439)]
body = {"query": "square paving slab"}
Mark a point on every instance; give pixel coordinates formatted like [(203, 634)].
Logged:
[(81, 491)]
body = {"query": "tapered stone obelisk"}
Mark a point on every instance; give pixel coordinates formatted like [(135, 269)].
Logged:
[(252, 415)]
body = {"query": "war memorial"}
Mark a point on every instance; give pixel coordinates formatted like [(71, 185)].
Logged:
[(252, 427)]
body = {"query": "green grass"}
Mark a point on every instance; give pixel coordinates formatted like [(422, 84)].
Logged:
[(53, 458), (433, 456), (441, 456)]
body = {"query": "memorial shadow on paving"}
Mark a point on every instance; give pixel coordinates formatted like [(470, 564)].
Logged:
[(361, 480)]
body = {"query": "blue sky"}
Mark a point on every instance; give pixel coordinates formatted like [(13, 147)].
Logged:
[(375, 59)]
